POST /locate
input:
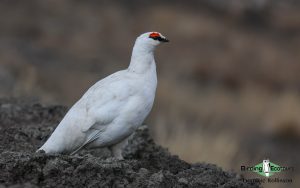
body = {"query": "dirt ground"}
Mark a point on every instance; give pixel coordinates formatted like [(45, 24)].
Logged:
[(26, 125)]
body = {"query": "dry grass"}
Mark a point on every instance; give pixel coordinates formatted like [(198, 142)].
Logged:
[(209, 124)]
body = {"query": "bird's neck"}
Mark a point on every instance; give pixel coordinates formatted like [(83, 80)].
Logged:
[(142, 59)]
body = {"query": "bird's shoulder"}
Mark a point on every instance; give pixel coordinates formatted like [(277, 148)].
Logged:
[(115, 86), (101, 103)]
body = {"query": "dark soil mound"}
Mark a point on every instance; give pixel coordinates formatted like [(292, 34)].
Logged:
[(25, 126)]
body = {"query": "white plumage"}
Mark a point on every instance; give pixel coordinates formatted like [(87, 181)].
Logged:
[(111, 110)]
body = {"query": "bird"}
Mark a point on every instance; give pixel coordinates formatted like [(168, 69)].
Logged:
[(113, 108)]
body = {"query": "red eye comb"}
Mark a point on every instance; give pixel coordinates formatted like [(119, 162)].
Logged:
[(154, 35)]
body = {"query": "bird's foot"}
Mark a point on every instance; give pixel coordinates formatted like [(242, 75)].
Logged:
[(118, 148), (117, 153), (119, 158)]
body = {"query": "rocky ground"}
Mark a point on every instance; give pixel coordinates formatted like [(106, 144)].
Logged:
[(26, 125)]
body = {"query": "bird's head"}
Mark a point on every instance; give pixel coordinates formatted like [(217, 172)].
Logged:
[(151, 39)]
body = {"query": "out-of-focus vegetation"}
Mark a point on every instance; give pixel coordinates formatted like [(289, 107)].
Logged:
[(228, 81)]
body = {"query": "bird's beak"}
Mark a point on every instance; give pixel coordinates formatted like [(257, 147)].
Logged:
[(164, 40)]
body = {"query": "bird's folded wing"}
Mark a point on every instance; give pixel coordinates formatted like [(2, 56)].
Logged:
[(94, 134), (102, 103), (100, 106)]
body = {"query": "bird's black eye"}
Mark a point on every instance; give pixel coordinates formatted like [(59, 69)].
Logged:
[(160, 39), (156, 36)]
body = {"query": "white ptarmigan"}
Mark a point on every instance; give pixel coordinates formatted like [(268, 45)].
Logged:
[(113, 108)]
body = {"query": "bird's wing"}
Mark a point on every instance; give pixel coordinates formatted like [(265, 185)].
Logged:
[(101, 105), (95, 134)]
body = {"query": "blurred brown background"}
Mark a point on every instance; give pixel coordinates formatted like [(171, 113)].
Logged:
[(229, 81)]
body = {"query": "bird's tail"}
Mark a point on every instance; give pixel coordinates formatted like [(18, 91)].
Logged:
[(40, 150)]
